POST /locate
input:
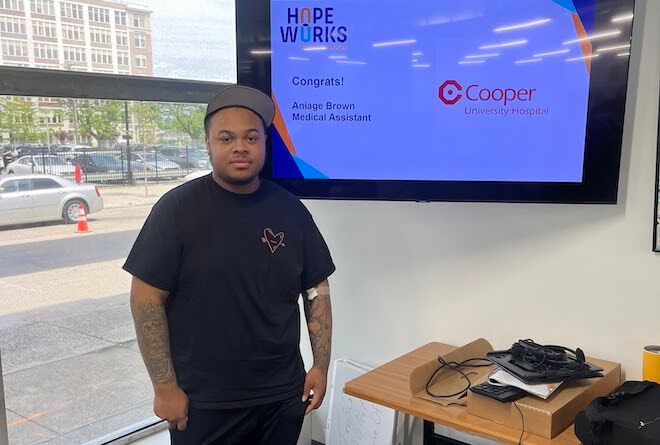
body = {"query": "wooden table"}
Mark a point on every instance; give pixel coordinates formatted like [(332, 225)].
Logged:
[(387, 385)]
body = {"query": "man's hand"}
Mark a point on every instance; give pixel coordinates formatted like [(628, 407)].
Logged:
[(171, 404), (316, 381)]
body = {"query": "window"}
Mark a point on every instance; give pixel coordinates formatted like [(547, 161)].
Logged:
[(16, 185), (100, 15), (74, 54), (13, 5), (140, 41), (74, 377), (102, 57), (44, 29), (122, 38), (12, 25), (122, 58), (71, 10), (141, 61), (71, 32), (100, 35), (139, 21), (44, 183), (120, 18), (44, 51), (17, 48), (53, 119), (45, 7)]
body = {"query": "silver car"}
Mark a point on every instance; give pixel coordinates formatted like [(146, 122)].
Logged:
[(26, 165), (34, 198), (150, 162)]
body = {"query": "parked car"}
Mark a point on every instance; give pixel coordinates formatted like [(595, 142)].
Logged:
[(98, 163), (186, 158), (153, 162), (34, 198), (26, 165), (31, 149), (68, 152)]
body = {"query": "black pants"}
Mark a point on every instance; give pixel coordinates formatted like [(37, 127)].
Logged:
[(273, 424)]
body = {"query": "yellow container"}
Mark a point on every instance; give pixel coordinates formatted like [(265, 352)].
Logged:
[(651, 363)]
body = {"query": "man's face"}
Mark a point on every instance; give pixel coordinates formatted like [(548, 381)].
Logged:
[(236, 143)]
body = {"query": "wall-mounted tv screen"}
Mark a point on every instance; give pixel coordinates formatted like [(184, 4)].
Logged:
[(470, 100)]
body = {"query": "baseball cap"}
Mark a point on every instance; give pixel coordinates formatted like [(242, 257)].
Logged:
[(245, 97)]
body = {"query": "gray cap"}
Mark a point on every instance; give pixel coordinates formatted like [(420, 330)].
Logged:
[(245, 97)]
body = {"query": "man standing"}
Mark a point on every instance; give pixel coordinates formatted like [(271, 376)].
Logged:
[(217, 271)]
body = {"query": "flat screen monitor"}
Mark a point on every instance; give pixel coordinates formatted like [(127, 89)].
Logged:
[(447, 100)]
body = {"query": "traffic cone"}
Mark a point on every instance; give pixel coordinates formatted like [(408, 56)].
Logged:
[(82, 226), (77, 174)]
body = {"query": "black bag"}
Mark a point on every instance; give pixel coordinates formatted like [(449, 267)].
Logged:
[(628, 416)]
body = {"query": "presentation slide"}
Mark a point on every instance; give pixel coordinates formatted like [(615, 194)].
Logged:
[(455, 90)]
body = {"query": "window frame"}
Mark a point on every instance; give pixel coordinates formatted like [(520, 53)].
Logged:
[(121, 18), (20, 5), (47, 7)]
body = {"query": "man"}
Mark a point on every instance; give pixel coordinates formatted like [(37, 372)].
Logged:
[(217, 271)]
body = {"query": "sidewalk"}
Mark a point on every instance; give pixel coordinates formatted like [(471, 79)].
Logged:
[(72, 372), (134, 195)]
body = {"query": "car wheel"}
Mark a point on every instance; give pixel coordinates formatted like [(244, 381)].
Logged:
[(71, 210)]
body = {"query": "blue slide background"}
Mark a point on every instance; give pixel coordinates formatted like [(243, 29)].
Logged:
[(413, 135)]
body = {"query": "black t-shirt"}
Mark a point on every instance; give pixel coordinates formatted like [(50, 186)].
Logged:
[(235, 266)]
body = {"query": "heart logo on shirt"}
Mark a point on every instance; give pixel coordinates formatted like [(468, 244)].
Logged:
[(273, 240)]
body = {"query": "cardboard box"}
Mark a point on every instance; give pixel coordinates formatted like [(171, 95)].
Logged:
[(448, 381), (547, 418)]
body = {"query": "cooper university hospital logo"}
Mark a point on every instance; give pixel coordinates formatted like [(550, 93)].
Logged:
[(480, 100)]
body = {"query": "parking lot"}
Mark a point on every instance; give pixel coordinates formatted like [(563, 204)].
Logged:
[(71, 366)]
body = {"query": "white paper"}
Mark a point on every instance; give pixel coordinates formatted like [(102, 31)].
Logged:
[(542, 390)]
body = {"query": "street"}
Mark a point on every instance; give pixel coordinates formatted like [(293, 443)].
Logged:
[(56, 254), (71, 366)]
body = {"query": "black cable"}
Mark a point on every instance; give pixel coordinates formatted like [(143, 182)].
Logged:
[(522, 419), (455, 367), (548, 357)]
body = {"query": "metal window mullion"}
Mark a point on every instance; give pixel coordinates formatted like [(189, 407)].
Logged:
[(19, 81)]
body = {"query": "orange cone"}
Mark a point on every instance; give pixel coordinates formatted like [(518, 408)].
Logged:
[(77, 174), (82, 226)]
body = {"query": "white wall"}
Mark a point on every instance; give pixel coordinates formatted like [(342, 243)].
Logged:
[(577, 275)]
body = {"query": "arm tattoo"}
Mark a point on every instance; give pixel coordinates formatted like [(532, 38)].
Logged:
[(319, 323), (153, 339)]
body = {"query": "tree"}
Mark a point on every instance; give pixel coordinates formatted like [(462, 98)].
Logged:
[(184, 118), (101, 119), (19, 118), (147, 119)]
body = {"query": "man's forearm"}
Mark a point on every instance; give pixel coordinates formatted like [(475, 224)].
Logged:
[(319, 323), (154, 341)]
